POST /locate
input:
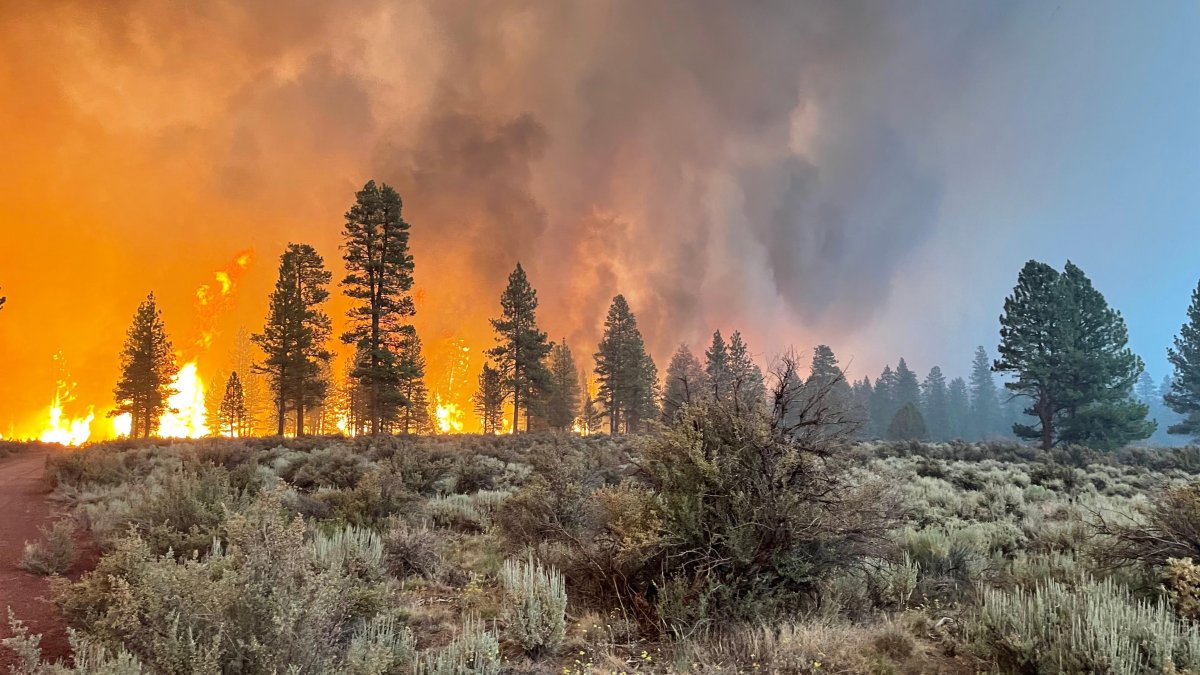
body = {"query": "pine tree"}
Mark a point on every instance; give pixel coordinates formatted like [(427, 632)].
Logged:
[(827, 381), (935, 403), (908, 388), (686, 383), (863, 394), (147, 370), (489, 399), (413, 416), (232, 415), (883, 402), (379, 280), (295, 335), (749, 390), (1069, 353), (907, 425), (562, 401), (986, 418), (521, 348), (1184, 394), (214, 394), (626, 374), (958, 406), (717, 368), (253, 388)]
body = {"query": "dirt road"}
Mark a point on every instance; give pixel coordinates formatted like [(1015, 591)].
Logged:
[(23, 509)]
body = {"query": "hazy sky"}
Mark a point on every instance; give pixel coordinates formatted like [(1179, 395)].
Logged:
[(870, 175)]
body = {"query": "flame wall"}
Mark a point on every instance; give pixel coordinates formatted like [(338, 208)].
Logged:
[(722, 164)]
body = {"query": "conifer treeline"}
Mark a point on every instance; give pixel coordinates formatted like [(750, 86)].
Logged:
[(1072, 377)]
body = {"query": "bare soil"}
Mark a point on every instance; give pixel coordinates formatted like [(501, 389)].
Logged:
[(24, 508)]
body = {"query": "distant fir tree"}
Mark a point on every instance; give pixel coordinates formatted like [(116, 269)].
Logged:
[(935, 405), (294, 339), (489, 399), (986, 417), (254, 390), (686, 383), (232, 415), (626, 374), (883, 402), (827, 382), (1068, 352), (562, 401), (521, 348), (1146, 389), (214, 394), (907, 425), (1184, 395), (908, 387), (413, 415), (379, 280), (748, 388), (958, 406), (718, 370), (147, 370), (863, 394)]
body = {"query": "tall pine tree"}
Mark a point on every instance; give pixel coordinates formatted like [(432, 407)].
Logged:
[(379, 280), (986, 418), (1068, 351), (748, 389), (1183, 397), (883, 402), (147, 370), (413, 416), (908, 387), (294, 339), (562, 402), (521, 348), (718, 370), (624, 370), (489, 399), (935, 404), (232, 415), (958, 407)]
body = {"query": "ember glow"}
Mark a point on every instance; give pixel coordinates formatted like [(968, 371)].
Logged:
[(185, 417), (60, 427)]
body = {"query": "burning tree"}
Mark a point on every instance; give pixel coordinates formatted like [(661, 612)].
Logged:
[(379, 278), (489, 399), (296, 333), (147, 370), (521, 348)]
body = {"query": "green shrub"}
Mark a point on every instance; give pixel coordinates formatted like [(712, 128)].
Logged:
[(474, 652), (380, 647), (56, 555), (535, 605), (88, 658), (1096, 627)]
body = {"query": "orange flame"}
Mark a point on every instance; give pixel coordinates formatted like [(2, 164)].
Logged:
[(62, 429), (185, 417), (212, 299)]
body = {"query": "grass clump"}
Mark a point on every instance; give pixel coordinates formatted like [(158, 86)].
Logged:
[(56, 554)]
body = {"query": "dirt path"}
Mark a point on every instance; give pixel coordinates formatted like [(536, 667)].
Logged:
[(23, 509)]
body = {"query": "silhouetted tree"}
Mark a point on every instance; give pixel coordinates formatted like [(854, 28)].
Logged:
[(521, 348), (489, 399), (413, 416), (379, 280), (1068, 350), (748, 389), (908, 425), (717, 368), (624, 370), (908, 388), (863, 394), (958, 406), (590, 416), (686, 382), (232, 415), (562, 401), (296, 333), (986, 417), (935, 404), (1184, 395), (147, 370), (883, 402)]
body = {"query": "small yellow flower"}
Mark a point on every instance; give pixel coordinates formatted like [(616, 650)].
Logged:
[(816, 664)]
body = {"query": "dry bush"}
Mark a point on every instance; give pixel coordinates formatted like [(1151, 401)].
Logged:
[(54, 556), (1168, 527)]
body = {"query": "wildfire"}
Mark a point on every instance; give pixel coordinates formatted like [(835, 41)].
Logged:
[(449, 417), (213, 298), (186, 410), (450, 396), (62, 429)]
